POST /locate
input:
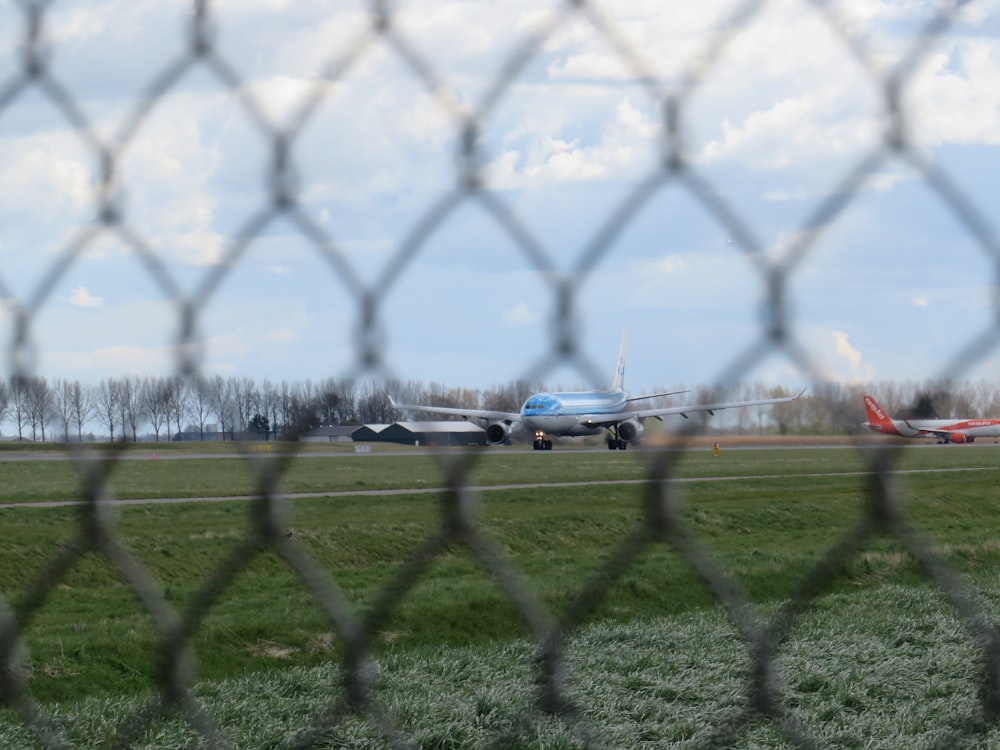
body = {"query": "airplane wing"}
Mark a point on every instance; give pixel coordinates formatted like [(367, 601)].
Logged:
[(496, 416), (710, 408), (924, 432), (653, 395)]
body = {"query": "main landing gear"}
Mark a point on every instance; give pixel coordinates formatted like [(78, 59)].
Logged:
[(615, 442)]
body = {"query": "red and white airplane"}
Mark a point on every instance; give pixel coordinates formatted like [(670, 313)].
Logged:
[(945, 430)]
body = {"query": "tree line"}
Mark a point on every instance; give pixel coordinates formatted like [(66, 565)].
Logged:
[(131, 408)]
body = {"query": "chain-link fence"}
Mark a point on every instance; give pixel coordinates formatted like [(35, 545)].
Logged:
[(674, 169)]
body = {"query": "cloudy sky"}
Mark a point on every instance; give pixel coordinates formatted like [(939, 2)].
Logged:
[(892, 285)]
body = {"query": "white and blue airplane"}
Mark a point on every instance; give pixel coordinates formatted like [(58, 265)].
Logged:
[(582, 413)]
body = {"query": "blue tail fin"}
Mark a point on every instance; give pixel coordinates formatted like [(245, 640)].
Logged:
[(618, 379)]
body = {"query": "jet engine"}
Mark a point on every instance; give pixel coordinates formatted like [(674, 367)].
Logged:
[(497, 433), (959, 437), (630, 431)]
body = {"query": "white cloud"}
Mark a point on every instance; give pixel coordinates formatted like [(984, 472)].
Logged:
[(795, 130), (565, 162), (844, 349), (110, 361), (840, 359), (585, 136), (195, 248), (45, 175), (669, 265), (956, 96), (519, 315), (81, 297), (778, 195), (920, 302)]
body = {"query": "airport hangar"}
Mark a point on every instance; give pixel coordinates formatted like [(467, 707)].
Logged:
[(440, 433)]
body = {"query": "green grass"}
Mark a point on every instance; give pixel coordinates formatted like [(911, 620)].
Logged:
[(91, 637), (137, 474), (887, 667)]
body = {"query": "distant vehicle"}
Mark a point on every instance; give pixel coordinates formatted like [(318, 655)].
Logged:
[(944, 430), (581, 413)]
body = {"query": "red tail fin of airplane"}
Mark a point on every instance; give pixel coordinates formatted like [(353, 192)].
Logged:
[(878, 420)]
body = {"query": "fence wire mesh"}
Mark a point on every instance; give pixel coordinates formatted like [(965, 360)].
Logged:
[(458, 525)]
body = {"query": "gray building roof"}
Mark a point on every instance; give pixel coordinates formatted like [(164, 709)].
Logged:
[(329, 432), (423, 433)]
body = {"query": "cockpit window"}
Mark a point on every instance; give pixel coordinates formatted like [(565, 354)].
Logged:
[(540, 403)]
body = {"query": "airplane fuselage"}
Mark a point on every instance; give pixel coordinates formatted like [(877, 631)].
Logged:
[(945, 430), (968, 428), (573, 414)]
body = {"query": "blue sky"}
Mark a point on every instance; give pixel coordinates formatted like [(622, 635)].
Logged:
[(893, 289)]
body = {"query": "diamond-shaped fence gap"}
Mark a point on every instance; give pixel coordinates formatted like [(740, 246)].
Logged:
[(761, 370), (841, 688), (242, 314), (592, 134), (47, 174), (93, 327), (669, 266), (446, 567), (657, 557), (70, 645), (289, 620), (765, 136), (441, 564), (468, 47), (471, 285), (30, 71), (943, 81), (712, 515), (397, 131), (108, 64), (176, 169), (666, 528), (941, 282), (671, 260), (651, 679), (891, 548), (290, 59)]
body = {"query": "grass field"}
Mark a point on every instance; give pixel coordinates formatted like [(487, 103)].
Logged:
[(766, 517)]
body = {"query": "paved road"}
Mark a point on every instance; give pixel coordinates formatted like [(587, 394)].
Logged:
[(477, 488)]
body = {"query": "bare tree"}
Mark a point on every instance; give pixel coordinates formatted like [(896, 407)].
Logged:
[(130, 405), (286, 404), (71, 403), (220, 396), (154, 395), (4, 400), (81, 406), (62, 402), (106, 405), (374, 406), (501, 398), (271, 405), (246, 401), (304, 412), (40, 405), (19, 405), (177, 407), (200, 403), (328, 401)]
